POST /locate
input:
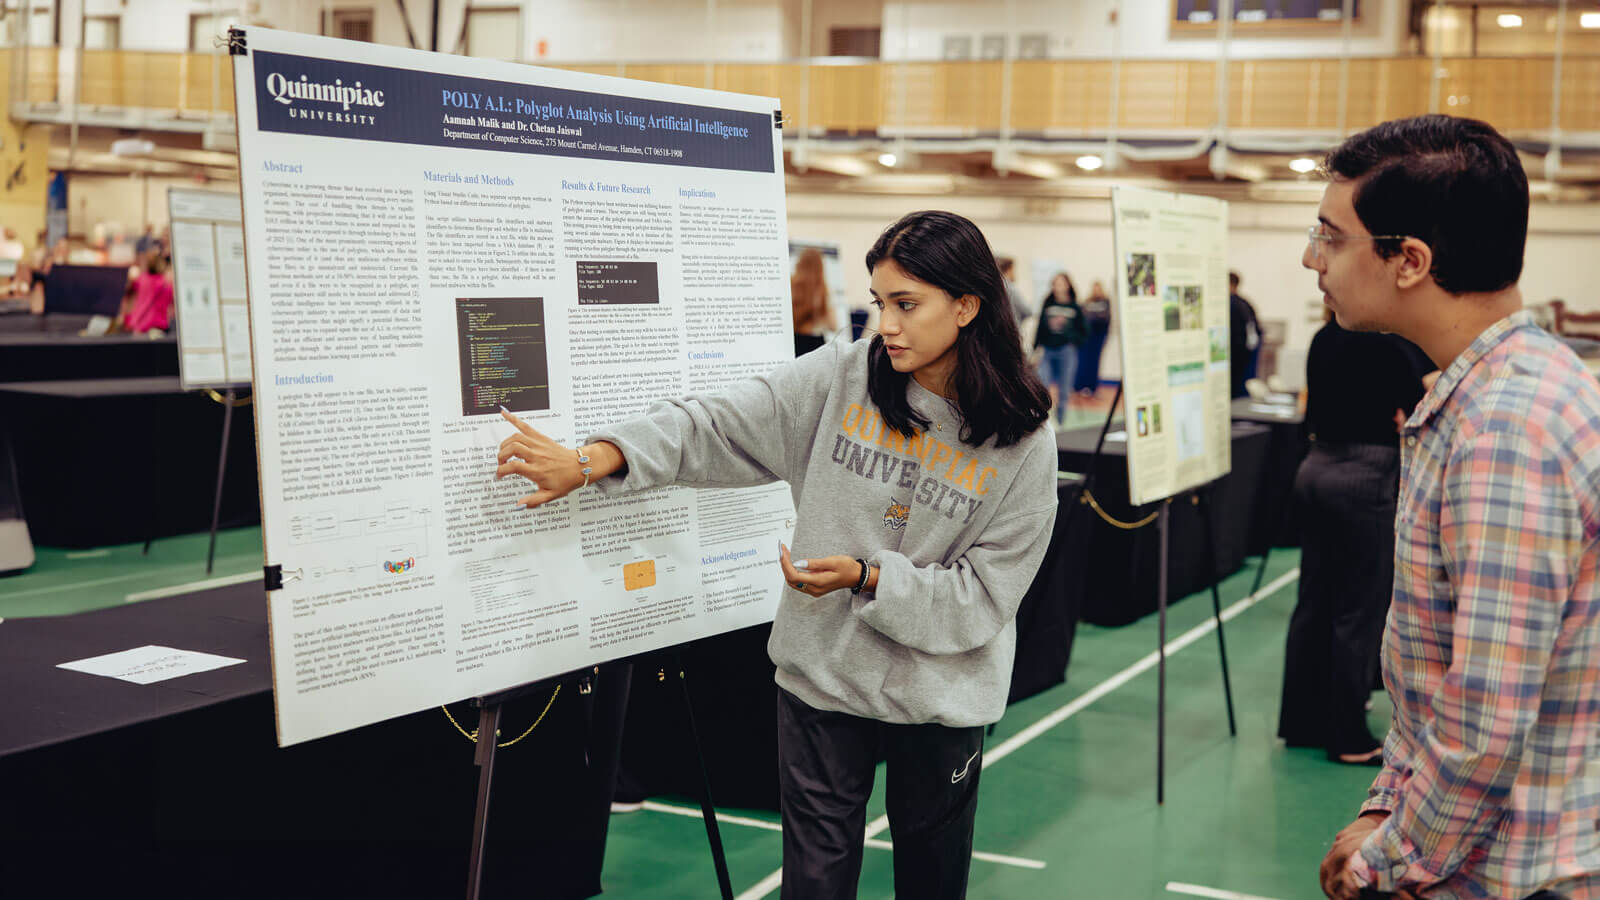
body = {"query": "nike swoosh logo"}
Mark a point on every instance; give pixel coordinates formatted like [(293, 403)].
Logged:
[(957, 776)]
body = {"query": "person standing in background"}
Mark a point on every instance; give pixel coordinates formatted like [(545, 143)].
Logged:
[(1360, 390), (1244, 337), (1097, 321), (11, 248), (1019, 304), (152, 297), (1061, 331), (808, 295)]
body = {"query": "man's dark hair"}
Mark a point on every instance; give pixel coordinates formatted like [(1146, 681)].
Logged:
[(997, 393), (1233, 280), (1455, 184)]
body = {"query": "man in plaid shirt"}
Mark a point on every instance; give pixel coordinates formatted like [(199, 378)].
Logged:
[(1490, 786)]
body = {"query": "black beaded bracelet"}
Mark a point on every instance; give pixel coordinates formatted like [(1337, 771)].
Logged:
[(865, 572)]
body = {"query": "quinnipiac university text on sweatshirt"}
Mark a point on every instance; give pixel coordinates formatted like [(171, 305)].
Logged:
[(957, 531)]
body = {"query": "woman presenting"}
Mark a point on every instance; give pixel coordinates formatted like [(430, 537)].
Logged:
[(925, 490)]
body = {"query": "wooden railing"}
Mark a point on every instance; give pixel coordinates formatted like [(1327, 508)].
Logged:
[(1059, 97), (166, 81), (170, 82), (1048, 97)]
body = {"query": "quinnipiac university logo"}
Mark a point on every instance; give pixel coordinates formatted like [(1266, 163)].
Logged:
[(287, 90)]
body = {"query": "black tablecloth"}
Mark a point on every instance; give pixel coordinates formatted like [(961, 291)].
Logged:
[(178, 788), (1274, 524), (1122, 566), (730, 679), (113, 461), (48, 348)]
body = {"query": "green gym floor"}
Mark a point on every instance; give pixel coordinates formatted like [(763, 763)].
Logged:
[(1068, 806)]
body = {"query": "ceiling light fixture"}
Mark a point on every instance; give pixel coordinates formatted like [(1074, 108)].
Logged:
[(1508, 20), (1303, 165), (1589, 20), (887, 159), (132, 147), (1089, 163)]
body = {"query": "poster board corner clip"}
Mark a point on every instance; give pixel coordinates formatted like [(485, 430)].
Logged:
[(236, 42), (274, 577)]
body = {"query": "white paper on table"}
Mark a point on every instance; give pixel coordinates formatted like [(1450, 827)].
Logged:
[(1273, 409), (150, 663)]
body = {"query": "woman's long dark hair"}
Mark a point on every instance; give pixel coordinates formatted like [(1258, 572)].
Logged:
[(997, 394), (1072, 291)]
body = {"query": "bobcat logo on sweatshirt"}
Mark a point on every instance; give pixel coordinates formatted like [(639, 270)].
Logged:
[(897, 515)]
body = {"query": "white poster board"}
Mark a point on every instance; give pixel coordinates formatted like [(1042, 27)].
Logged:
[(430, 237), (1172, 301), (208, 286)]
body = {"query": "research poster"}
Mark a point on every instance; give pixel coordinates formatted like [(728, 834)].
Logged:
[(431, 237), (208, 288), (1172, 303)]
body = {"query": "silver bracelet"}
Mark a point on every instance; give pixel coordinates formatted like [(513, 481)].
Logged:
[(587, 469)]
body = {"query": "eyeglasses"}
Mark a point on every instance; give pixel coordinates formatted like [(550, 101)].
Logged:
[(1320, 239)]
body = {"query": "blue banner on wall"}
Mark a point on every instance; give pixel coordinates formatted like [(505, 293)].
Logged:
[(332, 98), (55, 206)]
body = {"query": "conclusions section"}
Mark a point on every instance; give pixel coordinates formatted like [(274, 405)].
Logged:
[(503, 355)]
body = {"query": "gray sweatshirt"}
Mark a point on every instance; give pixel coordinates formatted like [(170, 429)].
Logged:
[(957, 532)]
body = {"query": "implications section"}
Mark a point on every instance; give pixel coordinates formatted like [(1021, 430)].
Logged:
[(617, 282), (503, 356)]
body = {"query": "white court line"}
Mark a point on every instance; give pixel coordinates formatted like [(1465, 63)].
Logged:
[(770, 883), (1020, 862), (721, 816), (175, 590), (1196, 890), (89, 554), (111, 579), (876, 844)]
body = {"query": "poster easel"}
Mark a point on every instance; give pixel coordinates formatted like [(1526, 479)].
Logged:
[(211, 313), (1199, 496), (1171, 257), (587, 681)]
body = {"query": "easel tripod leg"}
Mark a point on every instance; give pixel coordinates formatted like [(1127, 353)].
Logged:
[(1216, 604), (707, 810), (1161, 657), (222, 471), (488, 735)]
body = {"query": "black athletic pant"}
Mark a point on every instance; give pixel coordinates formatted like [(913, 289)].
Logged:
[(1345, 497), (826, 763)]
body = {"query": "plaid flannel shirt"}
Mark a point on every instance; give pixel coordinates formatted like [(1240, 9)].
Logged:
[(1491, 653)]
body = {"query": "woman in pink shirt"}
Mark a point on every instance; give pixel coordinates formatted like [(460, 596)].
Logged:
[(152, 297)]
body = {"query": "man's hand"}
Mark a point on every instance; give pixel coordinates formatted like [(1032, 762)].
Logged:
[(1337, 880)]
